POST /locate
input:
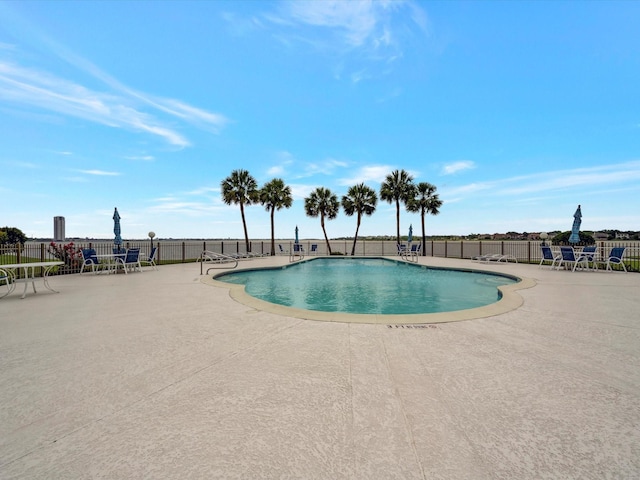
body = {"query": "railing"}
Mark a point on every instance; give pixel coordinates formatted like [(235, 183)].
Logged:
[(218, 259), (186, 251)]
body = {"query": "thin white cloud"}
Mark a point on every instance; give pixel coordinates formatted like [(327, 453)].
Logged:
[(285, 159), (240, 26), (375, 30), (276, 170), (301, 191), (29, 165), (357, 77), (41, 90), (171, 106), (471, 188), (367, 174), (121, 107), (100, 173), (205, 191), (289, 165), (188, 113), (325, 167), (456, 167), (141, 158), (419, 16), (189, 209), (356, 20), (580, 180)]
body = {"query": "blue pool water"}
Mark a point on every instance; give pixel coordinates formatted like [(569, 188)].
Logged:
[(370, 286)]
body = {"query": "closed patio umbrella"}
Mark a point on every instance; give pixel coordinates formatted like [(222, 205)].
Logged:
[(297, 234), (575, 229), (116, 229), (410, 236)]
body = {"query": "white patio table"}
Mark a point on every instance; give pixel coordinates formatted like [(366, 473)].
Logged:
[(29, 270), (110, 259)]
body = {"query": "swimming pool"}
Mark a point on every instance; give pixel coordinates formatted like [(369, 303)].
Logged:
[(368, 286)]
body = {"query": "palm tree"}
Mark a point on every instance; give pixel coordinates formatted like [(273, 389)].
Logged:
[(360, 200), (425, 201), (275, 195), (397, 187), (242, 189), (321, 202)]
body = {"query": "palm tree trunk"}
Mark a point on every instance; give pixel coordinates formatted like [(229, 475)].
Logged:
[(326, 239), (398, 221), (273, 239), (424, 236), (355, 239), (244, 225)]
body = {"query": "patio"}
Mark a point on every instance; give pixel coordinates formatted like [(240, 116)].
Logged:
[(160, 375)]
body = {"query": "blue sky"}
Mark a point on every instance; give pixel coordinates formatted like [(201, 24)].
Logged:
[(516, 111)]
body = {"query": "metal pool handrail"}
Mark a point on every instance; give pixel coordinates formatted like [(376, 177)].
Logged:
[(208, 256)]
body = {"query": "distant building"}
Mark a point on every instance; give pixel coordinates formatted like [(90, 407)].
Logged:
[(58, 229)]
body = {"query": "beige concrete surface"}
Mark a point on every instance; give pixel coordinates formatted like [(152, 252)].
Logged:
[(160, 375)]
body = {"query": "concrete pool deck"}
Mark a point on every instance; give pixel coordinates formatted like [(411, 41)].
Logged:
[(160, 375)]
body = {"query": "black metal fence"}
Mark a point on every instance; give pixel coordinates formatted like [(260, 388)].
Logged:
[(186, 251)]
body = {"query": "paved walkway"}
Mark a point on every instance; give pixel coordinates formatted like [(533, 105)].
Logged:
[(159, 375)]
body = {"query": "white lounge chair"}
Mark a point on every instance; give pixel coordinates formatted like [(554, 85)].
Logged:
[(130, 261), (588, 255), (569, 259), (615, 258), (414, 252), (549, 256), (282, 251), (149, 260), (495, 257), (90, 260)]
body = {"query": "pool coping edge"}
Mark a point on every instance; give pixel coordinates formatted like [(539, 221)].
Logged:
[(510, 300)]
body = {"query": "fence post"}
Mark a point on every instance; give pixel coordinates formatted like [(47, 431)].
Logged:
[(529, 251), (446, 249), (461, 248), (183, 252)]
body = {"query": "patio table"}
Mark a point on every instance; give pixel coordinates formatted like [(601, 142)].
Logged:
[(110, 260), (29, 270)]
